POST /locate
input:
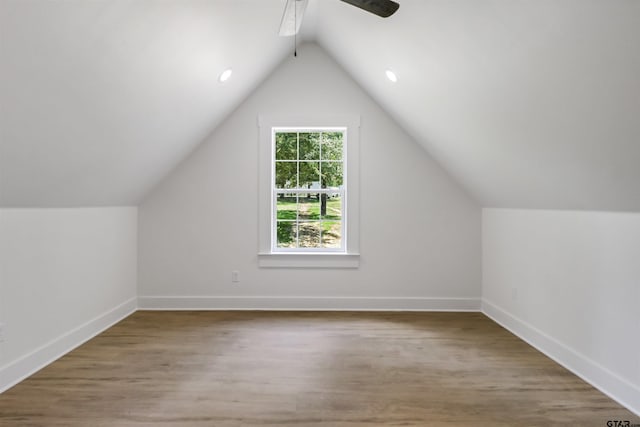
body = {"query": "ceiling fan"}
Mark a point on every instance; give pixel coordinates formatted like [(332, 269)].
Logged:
[(294, 11)]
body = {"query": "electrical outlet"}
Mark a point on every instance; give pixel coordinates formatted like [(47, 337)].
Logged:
[(235, 276)]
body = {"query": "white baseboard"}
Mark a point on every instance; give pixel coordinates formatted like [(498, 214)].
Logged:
[(617, 388), (307, 303), (31, 363)]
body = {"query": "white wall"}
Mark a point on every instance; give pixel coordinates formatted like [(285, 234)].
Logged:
[(65, 274), (569, 283), (420, 232)]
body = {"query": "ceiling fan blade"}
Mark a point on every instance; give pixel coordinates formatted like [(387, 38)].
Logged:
[(292, 17), (382, 8)]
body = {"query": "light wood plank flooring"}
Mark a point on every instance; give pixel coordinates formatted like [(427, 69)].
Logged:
[(241, 369)]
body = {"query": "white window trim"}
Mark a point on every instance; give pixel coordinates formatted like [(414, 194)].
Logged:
[(350, 258)]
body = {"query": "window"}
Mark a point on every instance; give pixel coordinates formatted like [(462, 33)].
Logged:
[(308, 191)]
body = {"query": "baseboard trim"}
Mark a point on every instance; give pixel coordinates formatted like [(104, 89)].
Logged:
[(18, 370), (609, 383), (307, 303)]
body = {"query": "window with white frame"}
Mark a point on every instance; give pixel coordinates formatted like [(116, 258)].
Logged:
[(308, 191)]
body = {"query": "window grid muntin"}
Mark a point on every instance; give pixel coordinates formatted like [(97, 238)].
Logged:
[(298, 191)]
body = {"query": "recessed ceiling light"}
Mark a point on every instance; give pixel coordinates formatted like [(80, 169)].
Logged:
[(225, 75), (392, 76)]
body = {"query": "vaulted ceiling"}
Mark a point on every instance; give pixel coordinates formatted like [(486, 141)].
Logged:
[(528, 103), (100, 99)]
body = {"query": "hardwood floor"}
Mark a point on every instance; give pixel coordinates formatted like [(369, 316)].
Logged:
[(241, 369)]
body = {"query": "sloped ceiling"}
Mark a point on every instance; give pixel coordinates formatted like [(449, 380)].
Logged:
[(100, 99), (528, 103)]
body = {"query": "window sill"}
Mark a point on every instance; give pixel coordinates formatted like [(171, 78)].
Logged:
[(308, 260)]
